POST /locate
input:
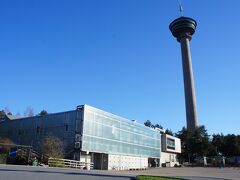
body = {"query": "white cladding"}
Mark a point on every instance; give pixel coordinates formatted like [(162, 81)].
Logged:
[(169, 159), (171, 146), (176, 141), (122, 162)]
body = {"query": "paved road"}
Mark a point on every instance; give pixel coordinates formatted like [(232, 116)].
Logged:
[(39, 173), (195, 173)]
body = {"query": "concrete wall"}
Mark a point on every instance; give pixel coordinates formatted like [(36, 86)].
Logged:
[(122, 162), (86, 158), (168, 159)]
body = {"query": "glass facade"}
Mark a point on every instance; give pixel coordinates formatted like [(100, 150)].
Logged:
[(104, 132)]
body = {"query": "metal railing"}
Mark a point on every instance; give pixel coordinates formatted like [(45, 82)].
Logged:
[(67, 163)]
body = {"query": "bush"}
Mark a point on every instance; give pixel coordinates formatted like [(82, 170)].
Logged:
[(52, 146), (5, 145), (3, 158)]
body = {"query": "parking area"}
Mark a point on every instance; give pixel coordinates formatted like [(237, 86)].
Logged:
[(194, 173)]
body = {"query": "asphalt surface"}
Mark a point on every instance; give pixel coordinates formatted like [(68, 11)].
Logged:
[(8, 172), (193, 173), (39, 173)]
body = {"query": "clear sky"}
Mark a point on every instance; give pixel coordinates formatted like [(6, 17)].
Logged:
[(119, 56)]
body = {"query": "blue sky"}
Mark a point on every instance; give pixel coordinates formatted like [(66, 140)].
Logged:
[(119, 56)]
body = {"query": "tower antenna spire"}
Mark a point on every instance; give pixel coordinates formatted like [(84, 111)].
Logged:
[(180, 7)]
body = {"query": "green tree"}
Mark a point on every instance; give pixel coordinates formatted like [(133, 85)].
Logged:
[(5, 111), (218, 143), (148, 123), (2, 113), (228, 145), (186, 144), (231, 145), (158, 126), (169, 132), (43, 113), (194, 144), (201, 142)]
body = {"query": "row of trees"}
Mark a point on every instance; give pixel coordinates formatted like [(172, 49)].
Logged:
[(29, 112), (148, 123), (229, 145), (200, 143)]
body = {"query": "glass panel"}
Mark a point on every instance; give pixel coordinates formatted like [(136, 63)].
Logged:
[(104, 132)]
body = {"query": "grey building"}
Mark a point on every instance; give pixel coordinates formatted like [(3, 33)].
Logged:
[(90, 135)]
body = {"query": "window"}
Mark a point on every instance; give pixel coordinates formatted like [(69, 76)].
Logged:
[(66, 127), (170, 144), (38, 129)]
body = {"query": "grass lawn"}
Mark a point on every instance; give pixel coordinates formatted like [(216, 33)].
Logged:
[(156, 178)]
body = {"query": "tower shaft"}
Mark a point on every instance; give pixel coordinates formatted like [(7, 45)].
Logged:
[(183, 28), (190, 98)]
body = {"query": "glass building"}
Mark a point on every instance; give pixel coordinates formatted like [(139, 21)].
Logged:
[(91, 135), (107, 133)]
